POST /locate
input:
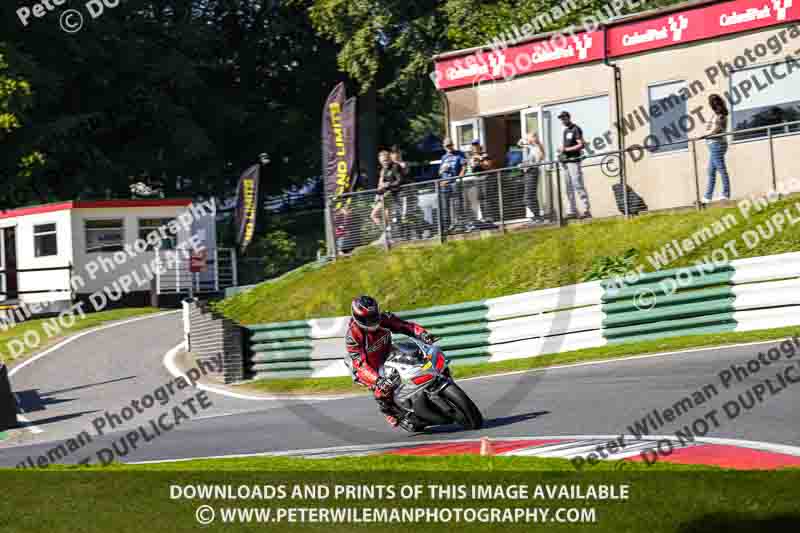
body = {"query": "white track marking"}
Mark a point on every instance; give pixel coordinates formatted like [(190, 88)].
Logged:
[(27, 423), (172, 368), (623, 359), (756, 445)]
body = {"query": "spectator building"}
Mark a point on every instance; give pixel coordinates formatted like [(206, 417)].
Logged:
[(641, 82)]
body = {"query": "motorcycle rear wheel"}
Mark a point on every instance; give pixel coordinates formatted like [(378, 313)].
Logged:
[(467, 413)]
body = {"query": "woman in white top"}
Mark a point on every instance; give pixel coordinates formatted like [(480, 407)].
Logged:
[(717, 147), (533, 153)]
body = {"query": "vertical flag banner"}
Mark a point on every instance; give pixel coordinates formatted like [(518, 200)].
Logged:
[(339, 143), (247, 206)]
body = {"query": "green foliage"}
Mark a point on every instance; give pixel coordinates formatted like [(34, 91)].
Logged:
[(605, 267), (168, 90), (278, 250)]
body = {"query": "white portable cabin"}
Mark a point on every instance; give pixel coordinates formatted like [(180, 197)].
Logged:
[(53, 254)]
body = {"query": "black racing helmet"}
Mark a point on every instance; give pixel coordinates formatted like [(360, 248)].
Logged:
[(366, 313)]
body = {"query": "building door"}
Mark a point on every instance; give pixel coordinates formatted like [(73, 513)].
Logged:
[(8, 264), (465, 132)]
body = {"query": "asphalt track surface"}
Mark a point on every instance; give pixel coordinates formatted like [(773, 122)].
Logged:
[(64, 391)]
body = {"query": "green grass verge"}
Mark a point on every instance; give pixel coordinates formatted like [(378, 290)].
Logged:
[(45, 330), (663, 498), (612, 351), (468, 270)]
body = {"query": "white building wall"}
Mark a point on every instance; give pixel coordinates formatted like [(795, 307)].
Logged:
[(106, 276), (26, 258)]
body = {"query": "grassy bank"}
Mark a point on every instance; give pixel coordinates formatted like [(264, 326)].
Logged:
[(44, 329), (467, 270), (613, 351)]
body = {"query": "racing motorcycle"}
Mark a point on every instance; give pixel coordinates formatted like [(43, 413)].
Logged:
[(425, 393)]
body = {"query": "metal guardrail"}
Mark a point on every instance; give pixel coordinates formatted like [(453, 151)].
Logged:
[(496, 200)]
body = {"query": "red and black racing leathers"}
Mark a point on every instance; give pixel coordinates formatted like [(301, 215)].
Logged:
[(368, 349)]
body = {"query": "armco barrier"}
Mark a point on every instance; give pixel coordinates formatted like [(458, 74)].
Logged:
[(757, 293), (704, 299), (521, 325), (8, 404)]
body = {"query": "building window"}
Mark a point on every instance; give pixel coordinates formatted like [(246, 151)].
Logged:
[(776, 101), (149, 225), (104, 235), (45, 242), (592, 115), (667, 108)]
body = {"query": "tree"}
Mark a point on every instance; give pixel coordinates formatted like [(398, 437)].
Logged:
[(173, 89), (17, 167)]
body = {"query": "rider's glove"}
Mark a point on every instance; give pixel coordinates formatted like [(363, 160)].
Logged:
[(385, 385), (427, 338)]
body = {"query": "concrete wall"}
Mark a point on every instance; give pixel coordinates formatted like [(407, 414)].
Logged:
[(664, 180)]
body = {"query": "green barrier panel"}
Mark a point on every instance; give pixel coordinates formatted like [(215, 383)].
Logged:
[(453, 319), (668, 299), (277, 354), (659, 290), (283, 334), (724, 327), (659, 314), (278, 325), (646, 278), (282, 345), (654, 327), (276, 367), (287, 374), (270, 358), (443, 310), (464, 341)]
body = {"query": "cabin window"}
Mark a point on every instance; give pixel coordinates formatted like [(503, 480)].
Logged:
[(149, 225), (104, 235), (45, 242)]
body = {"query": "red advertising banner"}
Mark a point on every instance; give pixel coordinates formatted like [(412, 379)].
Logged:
[(700, 23), (676, 28), (561, 51)]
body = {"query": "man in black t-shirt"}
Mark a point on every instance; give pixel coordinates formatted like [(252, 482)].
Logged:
[(570, 156)]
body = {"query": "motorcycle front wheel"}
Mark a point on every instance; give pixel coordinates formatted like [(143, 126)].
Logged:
[(466, 412)]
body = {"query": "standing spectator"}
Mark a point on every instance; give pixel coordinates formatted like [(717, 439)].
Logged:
[(405, 198), (533, 154), (453, 165), (475, 189), (717, 147), (570, 156), (389, 181)]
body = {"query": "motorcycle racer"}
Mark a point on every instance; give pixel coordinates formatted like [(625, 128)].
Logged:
[(369, 342)]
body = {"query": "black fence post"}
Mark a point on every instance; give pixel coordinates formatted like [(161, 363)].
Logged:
[(439, 221), (8, 403)]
